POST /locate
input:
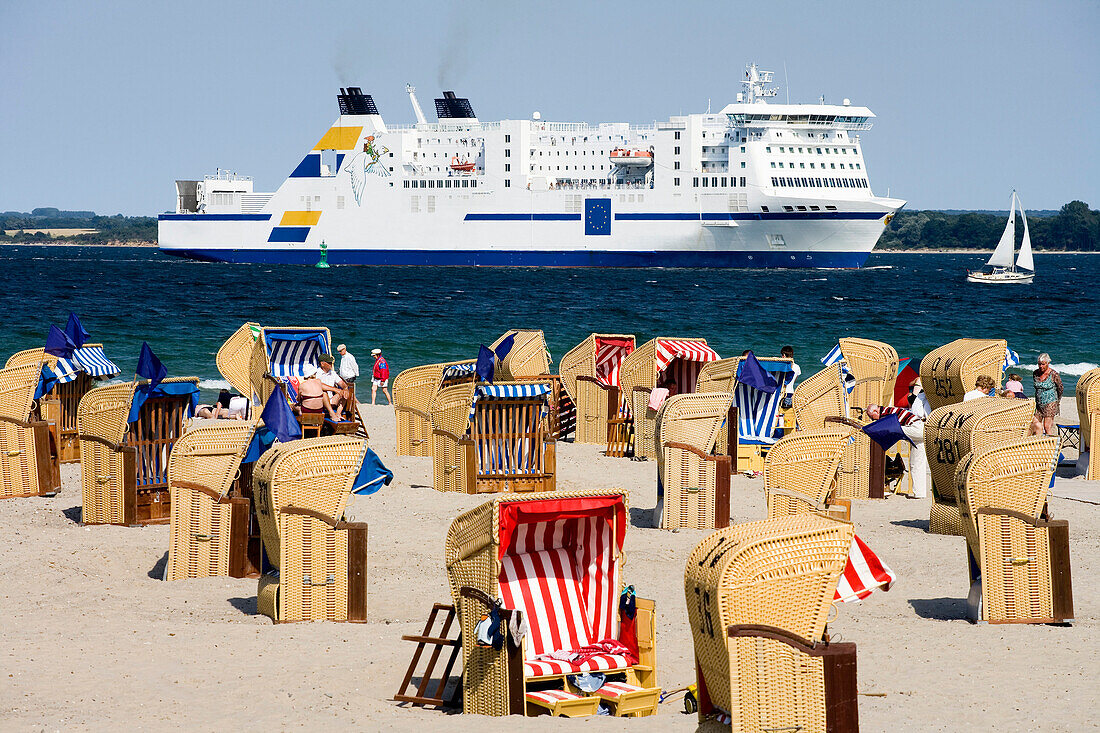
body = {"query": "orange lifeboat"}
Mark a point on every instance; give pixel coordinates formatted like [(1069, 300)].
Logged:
[(461, 166), (631, 157)]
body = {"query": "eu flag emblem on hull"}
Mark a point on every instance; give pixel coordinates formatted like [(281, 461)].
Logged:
[(597, 216)]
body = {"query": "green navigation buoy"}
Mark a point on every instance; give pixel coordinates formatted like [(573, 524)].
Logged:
[(323, 262)]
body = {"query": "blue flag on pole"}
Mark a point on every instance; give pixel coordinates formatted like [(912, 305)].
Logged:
[(886, 431), (484, 366), (753, 373), (149, 366), (279, 418), (372, 475), (505, 346), (59, 344), (74, 329)]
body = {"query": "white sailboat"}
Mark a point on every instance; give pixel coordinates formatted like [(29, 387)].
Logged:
[(1001, 269)]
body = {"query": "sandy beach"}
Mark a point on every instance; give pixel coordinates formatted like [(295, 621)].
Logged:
[(93, 639)]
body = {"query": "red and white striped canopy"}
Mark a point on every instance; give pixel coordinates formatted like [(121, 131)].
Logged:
[(610, 353), (669, 349), (863, 574)]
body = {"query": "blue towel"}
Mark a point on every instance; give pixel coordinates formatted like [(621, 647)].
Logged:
[(752, 373), (485, 366), (59, 344), (279, 419), (886, 431)]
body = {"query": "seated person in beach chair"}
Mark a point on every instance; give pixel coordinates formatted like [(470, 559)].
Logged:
[(336, 389), (310, 398), (554, 561), (228, 407)]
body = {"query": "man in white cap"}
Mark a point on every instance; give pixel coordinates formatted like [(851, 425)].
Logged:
[(349, 368), (380, 376)]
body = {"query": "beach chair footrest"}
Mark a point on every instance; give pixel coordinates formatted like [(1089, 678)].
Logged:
[(561, 704), (630, 700)]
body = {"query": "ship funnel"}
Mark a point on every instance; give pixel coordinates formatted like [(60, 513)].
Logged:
[(354, 102), (450, 107)]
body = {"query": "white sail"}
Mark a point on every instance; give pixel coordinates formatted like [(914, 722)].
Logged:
[(1025, 261), (1002, 256)]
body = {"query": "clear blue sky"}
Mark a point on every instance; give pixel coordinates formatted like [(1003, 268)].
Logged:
[(104, 105)]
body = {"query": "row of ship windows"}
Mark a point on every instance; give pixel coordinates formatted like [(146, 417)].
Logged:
[(713, 181), (445, 183), (832, 166), (820, 182), (811, 151)]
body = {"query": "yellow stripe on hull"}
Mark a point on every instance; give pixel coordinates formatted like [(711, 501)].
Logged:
[(300, 218)]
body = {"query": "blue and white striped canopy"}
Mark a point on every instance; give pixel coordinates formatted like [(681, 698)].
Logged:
[(458, 370), (506, 392), (833, 356), (88, 359), (291, 352), (758, 411), (1011, 358)]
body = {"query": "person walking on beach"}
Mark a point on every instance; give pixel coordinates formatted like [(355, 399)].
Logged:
[(380, 376), (913, 427), (1048, 393), (349, 368)]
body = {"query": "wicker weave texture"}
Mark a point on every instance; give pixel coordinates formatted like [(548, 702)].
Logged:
[(471, 554), (450, 413), (1088, 414), (853, 478), (1014, 554), (234, 358), (874, 364), (949, 372), (208, 455), (102, 414), (819, 397), (590, 398), (800, 471), (19, 470), (30, 356), (413, 390), (528, 357), (778, 572), (690, 480), (952, 432), (17, 386), (310, 553)]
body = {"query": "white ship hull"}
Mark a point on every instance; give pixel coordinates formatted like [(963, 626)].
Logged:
[(723, 190)]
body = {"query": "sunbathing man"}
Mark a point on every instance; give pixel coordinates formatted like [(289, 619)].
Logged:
[(312, 397)]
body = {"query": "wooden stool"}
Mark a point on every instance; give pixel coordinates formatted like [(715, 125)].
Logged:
[(311, 424), (561, 704), (630, 700)]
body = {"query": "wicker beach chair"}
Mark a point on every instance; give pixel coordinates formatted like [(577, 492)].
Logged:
[(1088, 415), (862, 471), (413, 391), (800, 471), (210, 511), (557, 559), (693, 488), (28, 448), (281, 353), (820, 396), (874, 365), (75, 376), (1019, 556), (490, 438), (319, 560), (948, 372), (758, 597), (649, 365), (528, 356), (234, 359), (757, 410), (590, 375), (124, 452), (953, 432)]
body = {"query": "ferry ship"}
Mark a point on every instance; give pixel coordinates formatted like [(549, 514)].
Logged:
[(756, 185)]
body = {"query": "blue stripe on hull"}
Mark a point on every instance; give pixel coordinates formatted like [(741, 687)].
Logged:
[(526, 258)]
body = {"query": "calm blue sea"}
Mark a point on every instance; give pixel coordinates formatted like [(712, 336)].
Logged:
[(185, 309)]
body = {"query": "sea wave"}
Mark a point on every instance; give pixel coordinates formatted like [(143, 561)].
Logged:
[(1075, 370), (214, 384)]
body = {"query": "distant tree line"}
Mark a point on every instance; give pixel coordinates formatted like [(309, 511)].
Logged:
[(1074, 227), (117, 228)]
